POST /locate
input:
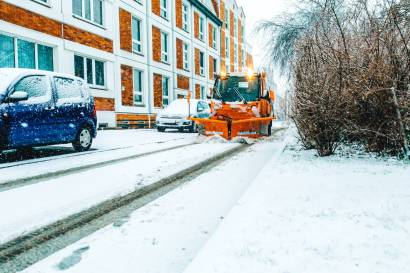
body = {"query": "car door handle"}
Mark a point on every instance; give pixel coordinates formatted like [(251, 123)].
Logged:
[(49, 108)]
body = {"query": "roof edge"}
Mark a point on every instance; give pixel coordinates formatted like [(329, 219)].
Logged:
[(206, 11)]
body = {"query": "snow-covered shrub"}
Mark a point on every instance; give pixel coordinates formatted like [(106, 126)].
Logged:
[(349, 62)]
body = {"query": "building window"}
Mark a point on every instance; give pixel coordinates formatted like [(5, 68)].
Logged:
[(228, 67), (214, 38), (235, 27), (90, 10), (185, 56), (236, 53), (136, 35), (185, 17), (25, 54), (227, 18), (243, 34), (164, 47), (91, 70), (201, 28), (203, 92), (138, 91), (227, 46), (165, 91), (164, 8), (215, 65), (201, 63)]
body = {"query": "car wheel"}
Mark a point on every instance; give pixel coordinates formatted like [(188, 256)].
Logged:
[(83, 140), (193, 128), (161, 129), (270, 129), (181, 130)]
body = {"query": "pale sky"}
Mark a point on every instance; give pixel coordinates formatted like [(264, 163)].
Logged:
[(259, 10)]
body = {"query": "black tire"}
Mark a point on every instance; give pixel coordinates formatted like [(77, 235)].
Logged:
[(270, 129), (181, 130), (193, 128), (25, 150), (83, 140), (161, 129)]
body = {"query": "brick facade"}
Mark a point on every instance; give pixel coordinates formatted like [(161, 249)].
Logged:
[(34, 21), (183, 82), (197, 91), (125, 30), (197, 62), (211, 67), (156, 44), (196, 25), (104, 104), (127, 87), (157, 90), (156, 7), (179, 51), (178, 13), (210, 35)]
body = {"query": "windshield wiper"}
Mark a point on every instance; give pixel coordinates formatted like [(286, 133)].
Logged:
[(240, 95)]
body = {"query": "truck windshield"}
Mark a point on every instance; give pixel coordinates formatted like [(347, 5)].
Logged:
[(234, 89)]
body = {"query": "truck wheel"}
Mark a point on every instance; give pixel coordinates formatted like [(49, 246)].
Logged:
[(83, 140), (270, 129), (161, 129)]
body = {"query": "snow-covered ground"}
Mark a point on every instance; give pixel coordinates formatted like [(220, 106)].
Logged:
[(165, 235), (42, 203), (107, 146), (314, 215), (275, 208)]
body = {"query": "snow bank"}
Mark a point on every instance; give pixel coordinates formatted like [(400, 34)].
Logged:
[(309, 214)]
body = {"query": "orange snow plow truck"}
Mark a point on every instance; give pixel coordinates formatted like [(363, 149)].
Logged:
[(241, 106)]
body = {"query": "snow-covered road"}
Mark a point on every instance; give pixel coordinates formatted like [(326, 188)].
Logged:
[(51, 200), (109, 145), (165, 235)]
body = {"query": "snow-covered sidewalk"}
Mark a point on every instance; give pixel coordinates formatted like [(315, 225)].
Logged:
[(316, 215)]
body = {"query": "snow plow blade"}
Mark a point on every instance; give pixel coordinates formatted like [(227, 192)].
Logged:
[(250, 128)]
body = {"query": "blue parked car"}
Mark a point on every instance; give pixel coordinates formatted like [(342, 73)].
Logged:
[(39, 108)]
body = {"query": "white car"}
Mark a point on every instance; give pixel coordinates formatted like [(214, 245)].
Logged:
[(175, 115)]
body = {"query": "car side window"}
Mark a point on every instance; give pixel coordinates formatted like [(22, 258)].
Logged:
[(68, 90), (37, 88)]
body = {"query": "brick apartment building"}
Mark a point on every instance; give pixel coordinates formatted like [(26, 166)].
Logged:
[(137, 55)]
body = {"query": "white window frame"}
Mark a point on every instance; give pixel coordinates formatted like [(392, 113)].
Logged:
[(93, 85), (164, 78), (164, 9), (202, 92), (185, 56), (92, 20), (164, 49), (135, 40), (202, 67), (214, 37), (16, 51), (227, 46), (227, 17), (185, 16), (236, 53), (201, 34), (138, 92)]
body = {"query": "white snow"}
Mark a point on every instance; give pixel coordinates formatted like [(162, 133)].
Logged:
[(107, 146), (165, 235), (39, 204), (309, 214)]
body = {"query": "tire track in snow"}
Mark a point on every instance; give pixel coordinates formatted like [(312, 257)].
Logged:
[(26, 250)]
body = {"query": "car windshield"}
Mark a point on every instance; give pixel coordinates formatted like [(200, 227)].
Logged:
[(180, 107), (234, 89), (5, 80)]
